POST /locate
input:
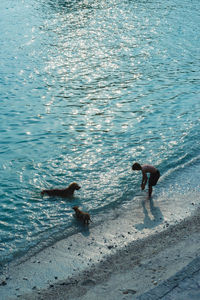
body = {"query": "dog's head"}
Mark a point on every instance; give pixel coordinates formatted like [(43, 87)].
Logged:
[(74, 186), (75, 208)]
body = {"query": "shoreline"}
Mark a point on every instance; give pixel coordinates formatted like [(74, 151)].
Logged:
[(135, 270), (127, 271)]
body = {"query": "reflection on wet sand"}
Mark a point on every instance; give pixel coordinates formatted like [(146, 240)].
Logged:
[(152, 215)]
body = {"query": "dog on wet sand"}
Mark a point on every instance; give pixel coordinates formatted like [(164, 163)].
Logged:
[(64, 193), (83, 216)]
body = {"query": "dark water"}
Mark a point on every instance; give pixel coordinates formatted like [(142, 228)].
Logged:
[(87, 88)]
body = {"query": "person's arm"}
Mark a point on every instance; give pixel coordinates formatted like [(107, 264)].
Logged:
[(144, 180)]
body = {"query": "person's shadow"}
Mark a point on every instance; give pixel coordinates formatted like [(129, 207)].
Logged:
[(157, 216)]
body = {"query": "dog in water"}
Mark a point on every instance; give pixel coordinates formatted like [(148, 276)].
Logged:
[(67, 192), (83, 216)]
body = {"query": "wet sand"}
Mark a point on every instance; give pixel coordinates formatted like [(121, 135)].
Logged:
[(94, 265)]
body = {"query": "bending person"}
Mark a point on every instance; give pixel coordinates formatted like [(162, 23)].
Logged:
[(152, 180)]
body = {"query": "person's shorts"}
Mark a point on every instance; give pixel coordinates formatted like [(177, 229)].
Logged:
[(153, 179)]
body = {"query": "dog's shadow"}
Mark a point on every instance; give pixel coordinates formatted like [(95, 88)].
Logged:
[(157, 216), (68, 199), (82, 228)]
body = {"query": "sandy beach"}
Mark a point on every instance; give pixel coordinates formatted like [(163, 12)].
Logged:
[(92, 265)]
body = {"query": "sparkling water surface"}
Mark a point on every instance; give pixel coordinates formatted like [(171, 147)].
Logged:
[(88, 88)]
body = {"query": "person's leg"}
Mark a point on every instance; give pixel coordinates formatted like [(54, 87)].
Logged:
[(150, 191), (153, 181)]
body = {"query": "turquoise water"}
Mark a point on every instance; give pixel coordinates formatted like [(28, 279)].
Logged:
[(87, 88)]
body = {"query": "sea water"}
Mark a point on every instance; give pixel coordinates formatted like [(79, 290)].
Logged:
[(87, 88)]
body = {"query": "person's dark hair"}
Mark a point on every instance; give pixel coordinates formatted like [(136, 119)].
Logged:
[(136, 166)]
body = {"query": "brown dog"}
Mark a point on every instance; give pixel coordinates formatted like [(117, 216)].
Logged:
[(83, 216), (68, 192)]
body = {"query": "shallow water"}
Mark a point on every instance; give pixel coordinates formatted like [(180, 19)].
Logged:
[(87, 88)]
